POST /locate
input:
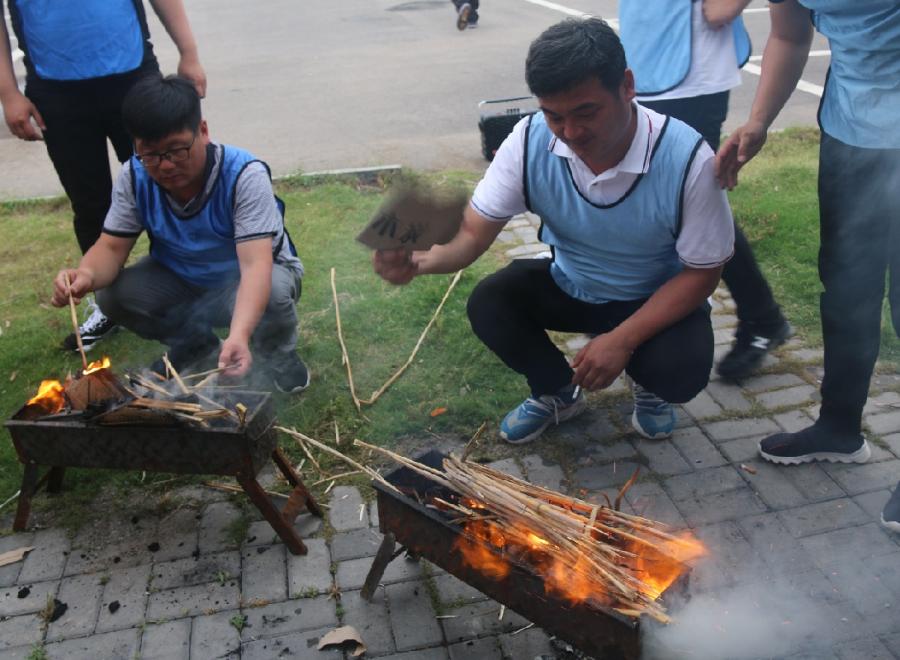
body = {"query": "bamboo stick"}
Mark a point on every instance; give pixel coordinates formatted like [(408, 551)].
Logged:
[(143, 402), (334, 452), (153, 387), (236, 489), (75, 326), (215, 404), (390, 381), (337, 476), (309, 455), (174, 373), (345, 357)]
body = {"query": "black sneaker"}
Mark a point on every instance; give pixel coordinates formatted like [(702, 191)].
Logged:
[(814, 443), (95, 327), (186, 355), (890, 517), (462, 16), (291, 375), (750, 347)]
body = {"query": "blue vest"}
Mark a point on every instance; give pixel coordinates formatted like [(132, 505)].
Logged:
[(80, 39), (200, 248), (622, 251), (861, 104), (663, 28)]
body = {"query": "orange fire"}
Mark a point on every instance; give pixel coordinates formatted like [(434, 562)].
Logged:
[(97, 365), (488, 549), (49, 397)]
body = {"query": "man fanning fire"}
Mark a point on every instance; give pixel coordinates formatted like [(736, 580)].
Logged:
[(219, 252), (639, 230)]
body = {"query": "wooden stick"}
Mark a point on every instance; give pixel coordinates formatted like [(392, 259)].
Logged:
[(209, 372), (74, 314), (143, 382), (143, 402), (337, 476), (237, 489), (473, 441), (309, 455), (175, 376), (217, 406), (345, 357), (334, 452), (390, 381)]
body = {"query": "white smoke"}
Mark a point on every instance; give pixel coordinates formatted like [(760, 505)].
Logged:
[(762, 620)]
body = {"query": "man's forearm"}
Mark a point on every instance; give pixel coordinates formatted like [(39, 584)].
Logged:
[(474, 237), (174, 19), (784, 58), (251, 300), (8, 83), (719, 13), (105, 260), (672, 302)]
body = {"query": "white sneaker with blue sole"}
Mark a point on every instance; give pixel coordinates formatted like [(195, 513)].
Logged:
[(653, 418), (532, 417)]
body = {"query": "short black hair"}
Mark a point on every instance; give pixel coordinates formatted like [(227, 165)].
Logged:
[(156, 107), (573, 51)]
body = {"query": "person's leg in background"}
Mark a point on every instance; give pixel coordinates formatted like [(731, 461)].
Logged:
[(858, 216), (466, 13), (761, 325), (78, 125)]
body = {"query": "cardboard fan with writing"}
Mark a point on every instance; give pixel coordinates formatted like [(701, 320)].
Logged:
[(414, 218)]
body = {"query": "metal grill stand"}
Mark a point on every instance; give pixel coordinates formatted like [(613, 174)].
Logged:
[(224, 451)]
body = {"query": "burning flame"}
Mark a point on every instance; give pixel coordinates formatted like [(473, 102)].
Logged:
[(97, 365), (49, 397), (486, 548)]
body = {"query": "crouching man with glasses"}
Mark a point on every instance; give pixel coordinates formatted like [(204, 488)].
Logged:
[(220, 255)]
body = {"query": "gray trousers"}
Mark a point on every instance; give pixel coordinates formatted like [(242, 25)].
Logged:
[(154, 303)]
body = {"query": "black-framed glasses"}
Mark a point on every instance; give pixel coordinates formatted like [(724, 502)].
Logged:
[(176, 155)]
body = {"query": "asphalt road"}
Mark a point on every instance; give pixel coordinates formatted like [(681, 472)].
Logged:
[(319, 84)]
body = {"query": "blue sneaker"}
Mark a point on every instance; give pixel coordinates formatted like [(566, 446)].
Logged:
[(653, 418), (533, 416)]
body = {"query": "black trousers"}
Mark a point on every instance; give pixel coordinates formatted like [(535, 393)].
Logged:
[(511, 311), (859, 208), (80, 117), (752, 296)]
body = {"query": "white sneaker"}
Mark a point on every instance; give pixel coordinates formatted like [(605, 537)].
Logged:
[(95, 327)]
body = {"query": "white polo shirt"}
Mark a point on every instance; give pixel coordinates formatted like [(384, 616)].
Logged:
[(706, 239)]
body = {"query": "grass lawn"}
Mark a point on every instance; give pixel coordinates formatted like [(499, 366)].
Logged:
[(775, 204)]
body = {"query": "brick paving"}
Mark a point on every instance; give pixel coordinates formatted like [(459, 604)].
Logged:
[(199, 594)]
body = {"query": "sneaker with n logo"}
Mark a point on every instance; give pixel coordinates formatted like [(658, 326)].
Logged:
[(751, 343)]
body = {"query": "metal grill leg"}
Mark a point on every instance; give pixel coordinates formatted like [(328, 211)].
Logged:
[(382, 558)]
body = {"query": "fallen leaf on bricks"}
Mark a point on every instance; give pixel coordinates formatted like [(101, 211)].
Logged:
[(341, 636)]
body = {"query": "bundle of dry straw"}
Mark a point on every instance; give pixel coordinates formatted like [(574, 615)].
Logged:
[(614, 553)]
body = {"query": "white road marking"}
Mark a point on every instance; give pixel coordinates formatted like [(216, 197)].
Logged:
[(812, 53), (802, 85), (568, 11)]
